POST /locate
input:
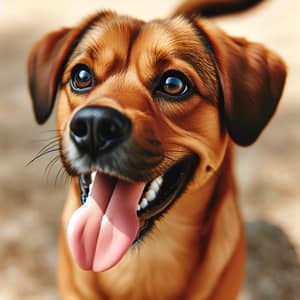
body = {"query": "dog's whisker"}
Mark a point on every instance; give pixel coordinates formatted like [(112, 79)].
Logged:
[(53, 161), (48, 146), (66, 177), (42, 154), (53, 148), (50, 165), (60, 172)]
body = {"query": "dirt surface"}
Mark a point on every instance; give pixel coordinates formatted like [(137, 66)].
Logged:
[(31, 202)]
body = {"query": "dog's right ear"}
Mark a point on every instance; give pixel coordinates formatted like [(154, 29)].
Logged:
[(45, 63), (47, 60)]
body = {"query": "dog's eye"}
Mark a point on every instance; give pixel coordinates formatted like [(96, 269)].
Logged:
[(82, 79), (174, 85)]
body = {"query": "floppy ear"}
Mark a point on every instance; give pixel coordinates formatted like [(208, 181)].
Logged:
[(47, 60), (45, 63), (252, 79)]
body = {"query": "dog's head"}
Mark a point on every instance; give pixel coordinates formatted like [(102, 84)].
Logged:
[(145, 113)]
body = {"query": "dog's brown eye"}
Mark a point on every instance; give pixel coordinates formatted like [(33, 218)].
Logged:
[(82, 79), (174, 85)]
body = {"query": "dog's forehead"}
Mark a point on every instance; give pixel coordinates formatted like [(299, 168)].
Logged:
[(126, 32)]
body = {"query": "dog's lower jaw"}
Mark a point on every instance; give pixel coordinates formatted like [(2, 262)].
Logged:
[(101, 231), (176, 258), (153, 262)]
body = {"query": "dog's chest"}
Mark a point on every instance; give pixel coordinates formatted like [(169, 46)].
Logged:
[(160, 269)]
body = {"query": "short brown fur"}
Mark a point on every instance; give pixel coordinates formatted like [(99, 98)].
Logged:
[(196, 251)]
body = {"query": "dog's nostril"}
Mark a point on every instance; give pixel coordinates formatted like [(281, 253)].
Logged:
[(109, 130), (80, 128)]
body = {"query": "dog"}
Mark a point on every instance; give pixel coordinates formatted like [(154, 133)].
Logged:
[(147, 118)]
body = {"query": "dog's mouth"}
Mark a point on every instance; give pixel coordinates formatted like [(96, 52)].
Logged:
[(158, 195), (117, 213)]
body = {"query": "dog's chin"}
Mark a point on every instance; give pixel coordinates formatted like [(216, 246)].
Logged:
[(158, 195)]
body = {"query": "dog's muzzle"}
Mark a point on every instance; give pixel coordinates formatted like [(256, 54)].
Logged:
[(123, 192)]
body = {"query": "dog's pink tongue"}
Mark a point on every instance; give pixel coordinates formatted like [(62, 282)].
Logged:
[(101, 231)]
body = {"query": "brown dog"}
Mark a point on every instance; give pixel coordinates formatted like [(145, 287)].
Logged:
[(146, 116)]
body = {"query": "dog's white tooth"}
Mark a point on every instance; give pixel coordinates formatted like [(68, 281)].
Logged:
[(138, 208), (90, 189), (154, 186), (144, 203), (93, 175), (154, 181), (150, 195), (159, 180)]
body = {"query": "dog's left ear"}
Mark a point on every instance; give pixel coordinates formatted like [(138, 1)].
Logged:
[(252, 79)]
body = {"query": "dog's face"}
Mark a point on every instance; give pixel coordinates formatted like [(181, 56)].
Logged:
[(144, 89), (144, 112)]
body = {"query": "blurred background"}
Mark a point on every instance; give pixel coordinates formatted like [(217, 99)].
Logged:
[(31, 197)]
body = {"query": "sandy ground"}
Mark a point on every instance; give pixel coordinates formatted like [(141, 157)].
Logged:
[(31, 202)]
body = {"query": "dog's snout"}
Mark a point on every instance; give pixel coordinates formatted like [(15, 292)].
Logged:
[(96, 128)]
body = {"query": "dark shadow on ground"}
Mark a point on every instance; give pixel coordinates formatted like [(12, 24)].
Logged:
[(273, 270)]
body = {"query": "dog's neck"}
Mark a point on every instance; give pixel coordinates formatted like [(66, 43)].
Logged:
[(193, 226)]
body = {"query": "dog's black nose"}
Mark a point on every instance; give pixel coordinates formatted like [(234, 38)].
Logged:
[(99, 128)]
